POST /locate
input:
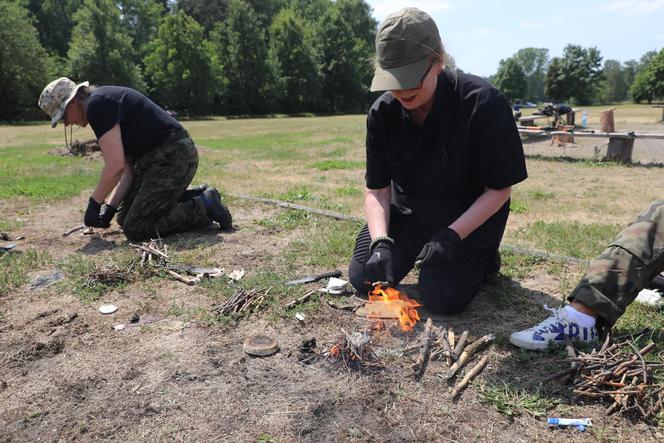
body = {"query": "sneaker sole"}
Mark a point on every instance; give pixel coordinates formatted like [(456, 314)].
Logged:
[(529, 345)]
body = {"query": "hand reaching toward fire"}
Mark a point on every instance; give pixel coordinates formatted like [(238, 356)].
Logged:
[(440, 250), (379, 265)]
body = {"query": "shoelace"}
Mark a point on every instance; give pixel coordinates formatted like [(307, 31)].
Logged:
[(554, 313)]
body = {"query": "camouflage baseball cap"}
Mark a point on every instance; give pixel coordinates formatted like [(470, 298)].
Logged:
[(404, 42), (56, 96)]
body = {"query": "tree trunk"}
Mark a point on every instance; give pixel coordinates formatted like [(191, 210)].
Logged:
[(620, 150), (606, 122)]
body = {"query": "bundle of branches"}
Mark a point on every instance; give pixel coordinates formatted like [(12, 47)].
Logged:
[(152, 253), (354, 352), (242, 302), (620, 375)]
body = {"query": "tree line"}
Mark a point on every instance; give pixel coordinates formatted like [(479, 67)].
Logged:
[(579, 77), (257, 57), (192, 56)]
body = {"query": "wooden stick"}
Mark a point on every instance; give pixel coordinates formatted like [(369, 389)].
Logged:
[(472, 373), (450, 337), (302, 299), (181, 278), (460, 345), (447, 351), (72, 230), (571, 353), (468, 352), (423, 359)]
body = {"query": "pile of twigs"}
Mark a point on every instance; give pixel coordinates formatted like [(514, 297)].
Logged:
[(619, 374), (107, 277), (354, 353), (441, 342), (242, 302), (152, 253)]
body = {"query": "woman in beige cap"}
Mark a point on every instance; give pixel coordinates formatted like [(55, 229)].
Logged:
[(442, 154), (149, 160)]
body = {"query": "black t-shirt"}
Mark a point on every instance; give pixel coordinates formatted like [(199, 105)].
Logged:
[(143, 124), (468, 141)]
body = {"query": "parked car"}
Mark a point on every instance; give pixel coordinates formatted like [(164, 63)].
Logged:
[(520, 104)]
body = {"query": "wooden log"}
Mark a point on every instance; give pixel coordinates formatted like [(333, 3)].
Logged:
[(606, 121), (620, 150), (423, 359), (472, 373)]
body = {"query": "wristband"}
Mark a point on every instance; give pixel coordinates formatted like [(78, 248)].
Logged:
[(379, 239)]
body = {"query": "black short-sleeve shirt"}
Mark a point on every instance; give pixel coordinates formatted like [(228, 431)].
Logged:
[(143, 123), (468, 142)]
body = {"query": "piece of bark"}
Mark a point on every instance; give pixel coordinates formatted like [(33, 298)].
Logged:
[(450, 338), (423, 358), (472, 373)]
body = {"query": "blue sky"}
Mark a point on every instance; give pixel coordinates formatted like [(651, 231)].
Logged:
[(479, 33)]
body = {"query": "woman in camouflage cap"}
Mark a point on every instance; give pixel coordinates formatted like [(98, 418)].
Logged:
[(149, 160)]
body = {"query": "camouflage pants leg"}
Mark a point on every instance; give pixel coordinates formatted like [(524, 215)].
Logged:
[(615, 277), (151, 207)]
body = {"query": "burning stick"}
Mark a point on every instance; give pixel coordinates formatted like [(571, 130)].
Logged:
[(468, 352), (472, 373), (423, 359), (460, 345)]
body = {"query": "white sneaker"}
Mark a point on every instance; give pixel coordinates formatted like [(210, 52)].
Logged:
[(554, 329), (650, 297)]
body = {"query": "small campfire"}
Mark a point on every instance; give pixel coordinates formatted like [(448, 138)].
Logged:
[(388, 303), (354, 352)]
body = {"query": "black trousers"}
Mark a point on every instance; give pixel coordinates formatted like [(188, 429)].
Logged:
[(445, 289)]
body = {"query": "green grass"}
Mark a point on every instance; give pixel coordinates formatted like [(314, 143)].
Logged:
[(15, 267), (539, 194), (348, 191), (29, 171), (286, 221), (570, 238), (79, 269), (511, 400), (517, 206), (326, 165)]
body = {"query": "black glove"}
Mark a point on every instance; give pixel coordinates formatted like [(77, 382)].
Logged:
[(106, 215), (379, 265), (92, 214), (439, 250)]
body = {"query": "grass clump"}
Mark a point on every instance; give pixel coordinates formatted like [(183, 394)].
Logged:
[(286, 221), (326, 165), (15, 267), (89, 281), (511, 400)]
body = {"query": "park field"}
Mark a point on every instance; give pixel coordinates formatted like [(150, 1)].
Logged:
[(66, 374)]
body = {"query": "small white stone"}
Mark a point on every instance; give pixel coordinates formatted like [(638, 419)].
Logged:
[(108, 309), (119, 327)]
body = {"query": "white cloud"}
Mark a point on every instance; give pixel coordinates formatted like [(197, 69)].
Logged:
[(484, 31), (636, 7), (526, 24), (383, 8)]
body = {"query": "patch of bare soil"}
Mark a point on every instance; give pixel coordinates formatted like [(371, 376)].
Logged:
[(67, 375)]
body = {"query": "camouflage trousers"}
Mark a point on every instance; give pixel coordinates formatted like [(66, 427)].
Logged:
[(152, 207), (615, 277)]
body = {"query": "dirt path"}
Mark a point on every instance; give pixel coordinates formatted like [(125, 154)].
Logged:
[(66, 375)]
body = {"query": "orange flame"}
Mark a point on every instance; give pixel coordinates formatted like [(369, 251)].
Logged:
[(403, 308)]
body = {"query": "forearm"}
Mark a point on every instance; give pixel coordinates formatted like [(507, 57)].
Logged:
[(123, 186), (377, 210), (110, 176), (481, 210)]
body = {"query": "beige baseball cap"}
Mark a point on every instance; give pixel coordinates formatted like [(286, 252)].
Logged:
[(404, 43), (56, 96)]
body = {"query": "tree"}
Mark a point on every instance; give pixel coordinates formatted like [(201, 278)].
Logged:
[(141, 18), (614, 86), (533, 62), (54, 22), (510, 79), (295, 58), (206, 12), (243, 54), (23, 63), (101, 49), (342, 62), (576, 75), (180, 67), (649, 82)]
